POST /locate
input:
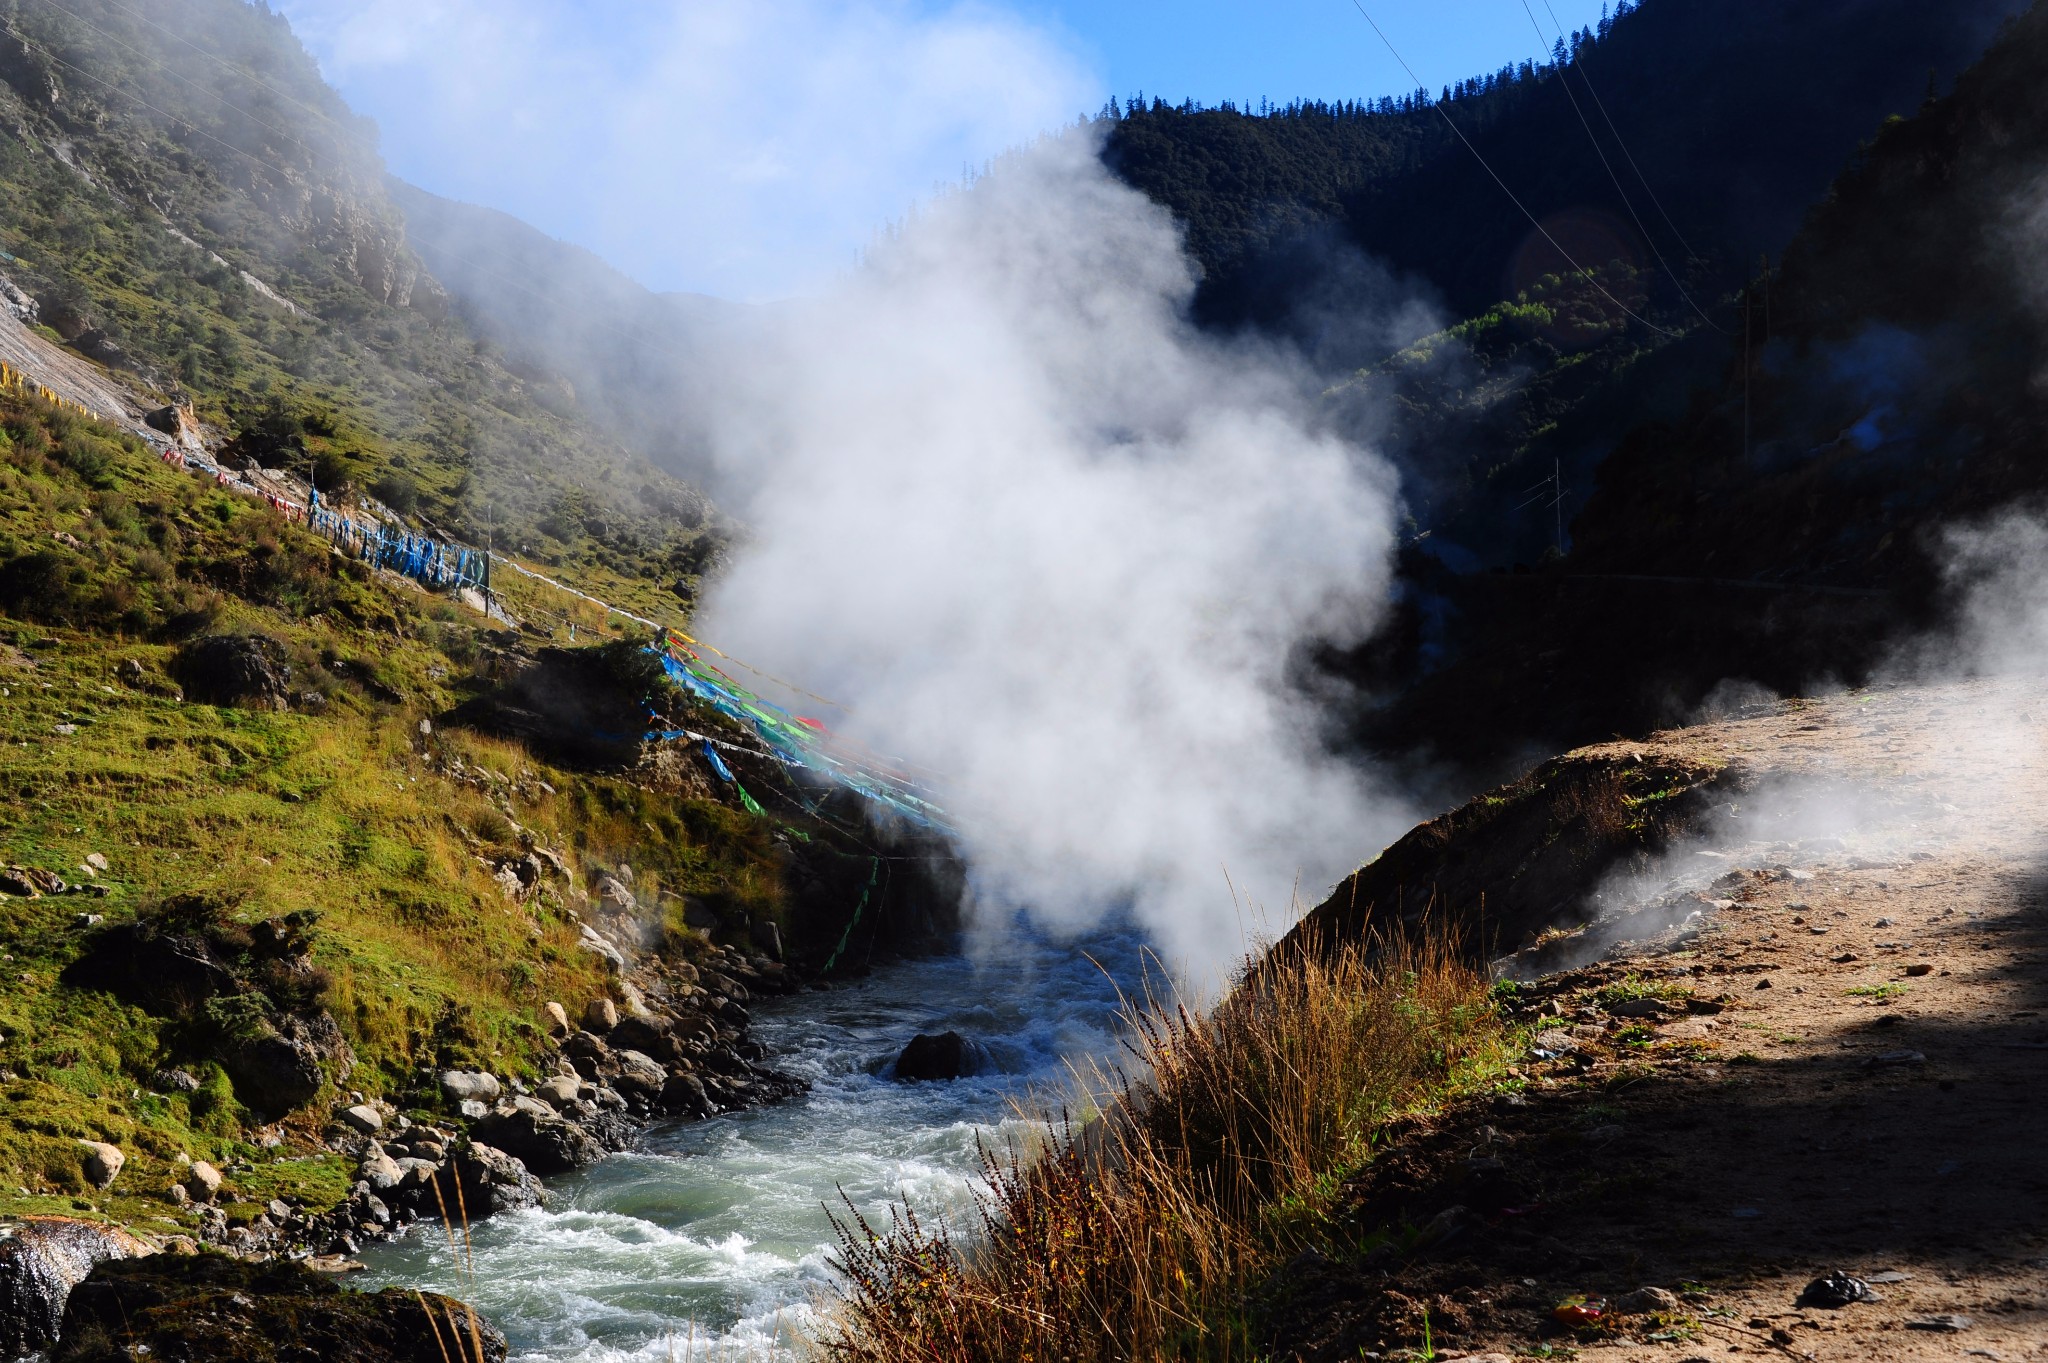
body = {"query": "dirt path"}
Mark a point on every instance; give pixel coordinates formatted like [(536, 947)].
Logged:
[(1841, 1063)]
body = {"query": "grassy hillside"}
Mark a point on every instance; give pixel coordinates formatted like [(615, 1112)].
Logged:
[(190, 203), (386, 836)]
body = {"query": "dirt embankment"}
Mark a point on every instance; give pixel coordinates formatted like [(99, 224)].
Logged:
[(1804, 1033)]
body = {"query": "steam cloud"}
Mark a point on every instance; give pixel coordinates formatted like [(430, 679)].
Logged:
[(1041, 536)]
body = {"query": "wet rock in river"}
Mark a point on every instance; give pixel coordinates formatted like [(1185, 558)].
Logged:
[(948, 1055), (209, 1306), (544, 1144), (40, 1265)]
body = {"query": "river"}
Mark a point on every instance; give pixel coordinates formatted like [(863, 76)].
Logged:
[(710, 1239)]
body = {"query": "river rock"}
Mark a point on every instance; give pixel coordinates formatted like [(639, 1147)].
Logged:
[(102, 1163), (380, 1171), (545, 1145), (638, 1075), (948, 1055), (40, 1265), (639, 1034), (461, 1084), (490, 1180), (559, 1090), (363, 1118), (599, 1015), (210, 1306), (685, 1094)]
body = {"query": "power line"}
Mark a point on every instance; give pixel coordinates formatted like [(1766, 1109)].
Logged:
[(1601, 152), (1601, 105), (1512, 197)]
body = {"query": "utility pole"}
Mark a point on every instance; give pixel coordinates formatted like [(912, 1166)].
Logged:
[(1557, 481), (1745, 373)]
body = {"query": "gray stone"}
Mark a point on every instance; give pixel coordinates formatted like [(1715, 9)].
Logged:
[(102, 1163), (489, 1181), (1646, 1301), (560, 1090), (473, 1108), (416, 1173), (638, 1074), (381, 1172), (363, 1118), (461, 1084)]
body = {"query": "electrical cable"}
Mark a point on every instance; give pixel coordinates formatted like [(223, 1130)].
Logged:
[(1513, 198), (1626, 202), (1601, 105)]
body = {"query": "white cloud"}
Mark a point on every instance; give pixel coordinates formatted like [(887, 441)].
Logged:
[(742, 147)]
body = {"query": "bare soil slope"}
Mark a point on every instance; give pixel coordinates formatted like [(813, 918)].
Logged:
[(1811, 1038)]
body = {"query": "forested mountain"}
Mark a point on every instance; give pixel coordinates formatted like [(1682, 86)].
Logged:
[(1789, 524), (188, 199), (1316, 221), (1669, 152)]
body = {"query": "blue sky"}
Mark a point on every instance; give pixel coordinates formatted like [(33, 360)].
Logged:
[(1212, 50), (751, 148)]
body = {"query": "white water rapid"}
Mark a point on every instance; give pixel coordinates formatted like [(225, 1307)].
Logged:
[(709, 1240)]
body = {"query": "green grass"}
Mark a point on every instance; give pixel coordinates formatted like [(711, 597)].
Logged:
[(343, 809), (1632, 987), (1891, 989)]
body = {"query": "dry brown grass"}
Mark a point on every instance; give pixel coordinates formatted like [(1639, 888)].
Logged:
[(1139, 1236)]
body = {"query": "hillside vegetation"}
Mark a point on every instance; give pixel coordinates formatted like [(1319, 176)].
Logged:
[(337, 812), (191, 204)]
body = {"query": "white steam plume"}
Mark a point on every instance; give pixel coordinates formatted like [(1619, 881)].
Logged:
[(1043, 537)]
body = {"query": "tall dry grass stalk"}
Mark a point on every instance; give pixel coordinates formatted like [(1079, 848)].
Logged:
[(1137, 1237)]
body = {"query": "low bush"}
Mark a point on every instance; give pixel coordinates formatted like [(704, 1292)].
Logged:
[(1139, 1236)]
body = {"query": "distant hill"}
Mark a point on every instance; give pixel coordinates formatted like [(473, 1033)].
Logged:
[(627, 359), (189, 201)]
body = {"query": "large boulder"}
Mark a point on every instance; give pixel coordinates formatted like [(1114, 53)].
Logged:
[(283, 1065), (947, 1055), (544, 1144), (246, 670), (40, 1264), (480, 1181), (189, 1308)]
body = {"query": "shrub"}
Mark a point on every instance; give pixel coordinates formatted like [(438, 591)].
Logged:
[(1139, 1236)]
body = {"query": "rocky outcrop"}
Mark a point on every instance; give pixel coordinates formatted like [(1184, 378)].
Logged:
[(188, 1308), (283, 1065), (40, 1265), (245, 670), (245, 995), (530, 1131)]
